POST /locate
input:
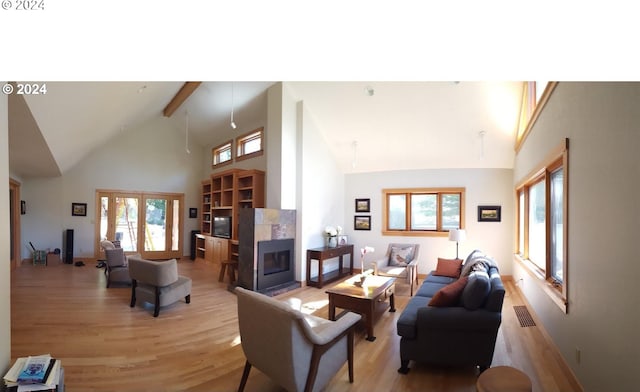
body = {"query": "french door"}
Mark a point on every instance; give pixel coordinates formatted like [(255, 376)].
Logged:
[(146, 223)]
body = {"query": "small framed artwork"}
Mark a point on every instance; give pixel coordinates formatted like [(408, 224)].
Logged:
[(23, 207), (363, 205), (342, 240), (361, 222), (193, 212), (489, 213), (79, 209)]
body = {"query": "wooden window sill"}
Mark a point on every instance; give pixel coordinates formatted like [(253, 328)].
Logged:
[(546, 287)]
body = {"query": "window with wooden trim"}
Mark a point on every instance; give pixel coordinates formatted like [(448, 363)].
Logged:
[(221, 154), (249, 145), (542, 225), (422, 211), (534, 96)]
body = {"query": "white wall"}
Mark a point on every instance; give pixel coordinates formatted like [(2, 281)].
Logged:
[(321, 190), (273, 147), (310, 181), (150, 157), (601, 121), (291, 152), (482, 187), (5, 256), (282, 148)]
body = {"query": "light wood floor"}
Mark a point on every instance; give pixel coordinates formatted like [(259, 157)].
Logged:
[(105, 345)]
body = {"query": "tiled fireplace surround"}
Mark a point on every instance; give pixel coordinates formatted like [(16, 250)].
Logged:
[(262, 224)]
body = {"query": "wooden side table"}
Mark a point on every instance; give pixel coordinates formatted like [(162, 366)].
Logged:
[(325, 253)]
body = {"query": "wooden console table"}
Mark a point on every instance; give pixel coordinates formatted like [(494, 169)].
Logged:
[(324, 253)]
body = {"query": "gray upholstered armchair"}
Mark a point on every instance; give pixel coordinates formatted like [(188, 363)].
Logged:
[(401, 262), (299, 352), (116, 268), (157, 282)]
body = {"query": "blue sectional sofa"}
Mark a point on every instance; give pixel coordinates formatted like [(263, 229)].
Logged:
[(460, 334)]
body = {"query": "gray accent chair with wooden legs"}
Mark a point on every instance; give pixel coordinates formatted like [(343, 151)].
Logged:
[(117, 264), (158, 283), (400, 262), (299, 352)]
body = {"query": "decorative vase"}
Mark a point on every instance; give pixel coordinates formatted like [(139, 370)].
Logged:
[(332, 242)]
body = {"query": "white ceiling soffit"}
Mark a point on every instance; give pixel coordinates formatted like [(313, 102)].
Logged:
[(76, 117), (29, 155), (415, 125)]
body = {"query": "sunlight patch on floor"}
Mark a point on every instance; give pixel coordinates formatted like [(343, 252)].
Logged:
[(235, 341), (312, 306)]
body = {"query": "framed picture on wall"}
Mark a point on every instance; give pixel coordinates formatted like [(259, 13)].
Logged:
[(79, 209), (361, 222), (193, 212), (489, 213), (363, 205)]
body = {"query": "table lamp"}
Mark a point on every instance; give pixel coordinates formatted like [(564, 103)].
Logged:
[(457, 235)]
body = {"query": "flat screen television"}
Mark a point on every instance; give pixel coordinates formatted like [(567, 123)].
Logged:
[(222, 226)]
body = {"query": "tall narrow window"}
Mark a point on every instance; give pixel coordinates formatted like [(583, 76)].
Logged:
[(537, 229), (175, 229), (450, 211), (397, 212), (104, 217), (521, 222), (556, 224)]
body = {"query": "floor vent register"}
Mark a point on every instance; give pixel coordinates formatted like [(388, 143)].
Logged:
[(524, 317)]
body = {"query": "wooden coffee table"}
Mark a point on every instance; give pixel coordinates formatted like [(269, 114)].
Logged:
[(363, 300)]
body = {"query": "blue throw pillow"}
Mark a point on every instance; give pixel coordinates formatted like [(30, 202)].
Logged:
[(476, 291)]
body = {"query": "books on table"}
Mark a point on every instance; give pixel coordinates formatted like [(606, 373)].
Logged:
[(35, 373), (36, 369)]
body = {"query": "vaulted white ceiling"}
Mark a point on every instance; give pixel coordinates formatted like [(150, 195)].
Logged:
[(369, 126), (415, 125)]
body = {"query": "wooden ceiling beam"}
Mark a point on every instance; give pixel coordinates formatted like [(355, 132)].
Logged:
[(185, 91)]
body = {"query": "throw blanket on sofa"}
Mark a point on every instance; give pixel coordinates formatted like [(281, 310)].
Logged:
[(477, 261)]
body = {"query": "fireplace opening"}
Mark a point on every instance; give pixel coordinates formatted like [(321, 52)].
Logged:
[(275, 263)]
